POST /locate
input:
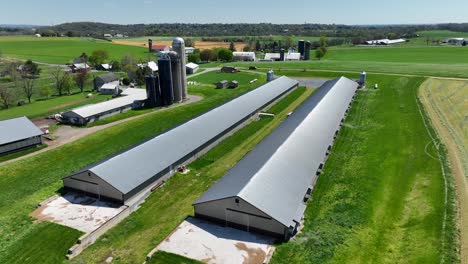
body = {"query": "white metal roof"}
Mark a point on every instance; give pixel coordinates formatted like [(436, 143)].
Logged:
[(16, 129), (129, 96), (111, 85), (81, 65), (127, 171), (106, 66), (192, 65), (276, 174), (287, 56)]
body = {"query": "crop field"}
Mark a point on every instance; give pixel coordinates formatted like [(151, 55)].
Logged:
[(38, 177), (202, 45), (63, 50), (446, 104)]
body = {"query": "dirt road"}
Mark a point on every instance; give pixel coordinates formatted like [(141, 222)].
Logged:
[(443, 121)]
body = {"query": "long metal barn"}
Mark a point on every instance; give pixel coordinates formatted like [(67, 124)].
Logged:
[(129, 173), (267, 190)]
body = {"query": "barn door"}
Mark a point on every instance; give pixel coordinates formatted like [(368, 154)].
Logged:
[(237, 219)]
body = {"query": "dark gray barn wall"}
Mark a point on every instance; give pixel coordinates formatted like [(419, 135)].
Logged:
[(20, 145), (218, 211), (83, 182)]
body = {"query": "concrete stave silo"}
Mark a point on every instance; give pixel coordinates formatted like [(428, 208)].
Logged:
[(176, 75), (178, 45), (165, 81)]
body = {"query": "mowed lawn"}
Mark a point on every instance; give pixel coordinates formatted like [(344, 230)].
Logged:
[(381, 197), (63, 50), (26, 182)]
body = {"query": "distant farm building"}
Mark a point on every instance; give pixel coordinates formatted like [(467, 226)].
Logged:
[(189, 50), (454, 41), (144, 166), (267, 190), (290, 56), (222, 84), (110, 88), (131, 98), (18, 134), (229, 69), (105, 67), (384, 41), (191, 68), (108, 35), (80, 67), (244, 56), (100, 80)]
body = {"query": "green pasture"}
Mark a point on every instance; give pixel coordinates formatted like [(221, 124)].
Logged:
[(61, 50)]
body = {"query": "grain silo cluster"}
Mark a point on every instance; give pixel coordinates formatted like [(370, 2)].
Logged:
[(170, 85)]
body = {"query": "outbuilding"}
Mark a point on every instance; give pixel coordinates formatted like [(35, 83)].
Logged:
[(222, 84), (244, 56), (130, 98), (146, 165), (100, 80), (191, 68), (267, 190), (18, 134)]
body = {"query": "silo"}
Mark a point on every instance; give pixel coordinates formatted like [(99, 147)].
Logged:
[(281, 54), (176, 75), (307, 47), (150, 45), (301, 47), (362, 79), (165, 81), (270, 75), (152, 91), (178, 45)]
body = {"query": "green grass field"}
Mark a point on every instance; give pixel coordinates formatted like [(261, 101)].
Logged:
[(63, 50)]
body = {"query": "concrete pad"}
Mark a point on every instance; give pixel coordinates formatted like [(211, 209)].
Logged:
[(210, 243), (77, 211)]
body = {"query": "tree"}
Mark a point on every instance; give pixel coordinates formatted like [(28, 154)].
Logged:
[(115, 66), (129, 65), (7, 96), (225, 54), (194, 57), (246, 48), (232, 47), (323, 43), (80, 79), (45, 91), (61, 79), (28, 87), (428, 40), (98, 57), (30, 68), (288, 42), (258, 45), (208, 55), (319, 53), (189, 43)]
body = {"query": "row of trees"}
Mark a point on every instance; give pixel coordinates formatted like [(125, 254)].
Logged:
[(215, 54)]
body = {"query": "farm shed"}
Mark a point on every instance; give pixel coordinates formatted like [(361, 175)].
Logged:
[(191, 68), (18, 134), (80, 67), (229, 69), (222, 84), (123, 176), (110, 88), (100, 80), (131, 98), (267, 190), (244, 56), (290, 56)]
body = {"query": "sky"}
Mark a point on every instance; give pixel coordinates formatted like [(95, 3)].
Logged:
[(52, 12)]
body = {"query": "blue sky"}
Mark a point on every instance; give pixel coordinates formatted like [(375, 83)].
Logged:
[(49, 12)]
